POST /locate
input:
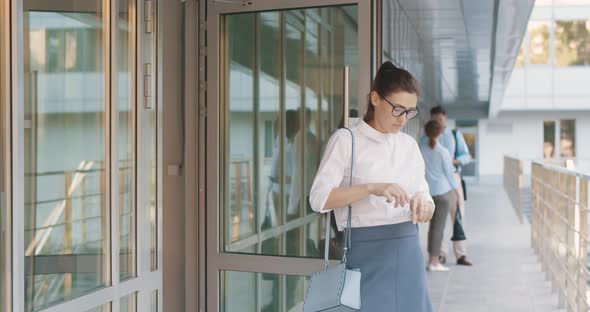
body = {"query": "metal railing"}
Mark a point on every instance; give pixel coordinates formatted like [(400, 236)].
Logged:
[(62, 242), (559, 230), (514, 183)]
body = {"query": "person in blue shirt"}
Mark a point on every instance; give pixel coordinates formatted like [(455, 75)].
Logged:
[(455, 144), (440, 175)]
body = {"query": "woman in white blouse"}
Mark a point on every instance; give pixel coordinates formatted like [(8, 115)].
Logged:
[(389, 195)]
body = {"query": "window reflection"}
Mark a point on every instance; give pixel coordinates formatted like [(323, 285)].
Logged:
[(572, 43), (65, 178), (538, 34), (284, 92), (567, 144), (548, 139)]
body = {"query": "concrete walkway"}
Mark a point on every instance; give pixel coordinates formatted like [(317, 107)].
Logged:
[(507, 275)]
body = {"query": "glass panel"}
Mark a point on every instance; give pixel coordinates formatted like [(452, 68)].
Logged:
[(128, 303), (125, 138), (65, 148), (241, 29), (102, 308), (273, 165), (538, 34), (254, 292), (567, 144), (284, 89), (572, 43), (548, 139)]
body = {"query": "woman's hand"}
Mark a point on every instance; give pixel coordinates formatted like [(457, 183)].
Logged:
[(422, 209), (391, 191)]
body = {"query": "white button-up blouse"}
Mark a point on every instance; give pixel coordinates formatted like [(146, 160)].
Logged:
[(379, 158)]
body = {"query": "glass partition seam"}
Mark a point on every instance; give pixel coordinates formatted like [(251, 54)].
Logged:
[(224, 135), (106, 178), (112, 148)]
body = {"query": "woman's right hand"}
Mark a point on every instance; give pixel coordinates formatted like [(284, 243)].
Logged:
[(391, 191)]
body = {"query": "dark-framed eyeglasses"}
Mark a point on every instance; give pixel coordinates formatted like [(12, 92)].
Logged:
[(399, 110)]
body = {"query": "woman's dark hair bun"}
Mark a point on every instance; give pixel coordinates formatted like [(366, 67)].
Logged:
[(388, 66), (390, 79)]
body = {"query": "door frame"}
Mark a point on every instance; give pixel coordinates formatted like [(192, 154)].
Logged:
[(209, 158)]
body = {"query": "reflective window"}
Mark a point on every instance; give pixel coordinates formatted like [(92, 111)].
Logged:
[(572, 43), (284, 74), (567, 143), (548, 139), (65, 151), (538, 35)]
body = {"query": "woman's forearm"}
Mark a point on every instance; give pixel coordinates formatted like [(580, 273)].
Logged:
[(344, 196)]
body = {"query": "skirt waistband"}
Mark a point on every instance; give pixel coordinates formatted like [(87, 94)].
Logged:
[(387, 231)]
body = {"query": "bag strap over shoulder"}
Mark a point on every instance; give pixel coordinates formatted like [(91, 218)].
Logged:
[(347, 231)]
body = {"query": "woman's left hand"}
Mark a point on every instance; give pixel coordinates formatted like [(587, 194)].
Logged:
[(421, 207)]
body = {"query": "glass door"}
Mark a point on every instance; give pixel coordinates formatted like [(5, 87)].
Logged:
[(280, 86)]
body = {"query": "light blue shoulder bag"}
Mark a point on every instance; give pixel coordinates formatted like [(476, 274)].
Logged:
[(336, 288)]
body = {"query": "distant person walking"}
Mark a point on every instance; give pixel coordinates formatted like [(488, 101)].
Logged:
[(454, 142)]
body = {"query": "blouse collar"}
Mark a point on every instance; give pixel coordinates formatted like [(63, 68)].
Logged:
[(372, 133)]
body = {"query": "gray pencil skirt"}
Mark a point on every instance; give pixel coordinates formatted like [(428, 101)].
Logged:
[(392, 266)]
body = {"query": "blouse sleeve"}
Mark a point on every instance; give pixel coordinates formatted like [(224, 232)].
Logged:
[(421, 174), (331, 170)]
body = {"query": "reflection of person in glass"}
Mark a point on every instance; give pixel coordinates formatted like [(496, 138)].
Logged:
[(305, 164), (291, 127), (388, 197), (271, 245), (548, 149)]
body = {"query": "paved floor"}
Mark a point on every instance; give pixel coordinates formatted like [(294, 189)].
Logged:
[(506, 275)]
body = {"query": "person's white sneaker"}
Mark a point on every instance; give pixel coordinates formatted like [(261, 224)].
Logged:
[(437, 268)]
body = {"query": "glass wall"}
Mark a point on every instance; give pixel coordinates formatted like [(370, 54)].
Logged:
[(283, 99), (563, 142), (80, 141), (570, 43), (66, 202)]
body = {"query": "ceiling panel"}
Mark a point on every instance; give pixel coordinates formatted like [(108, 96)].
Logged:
[(469, 42)]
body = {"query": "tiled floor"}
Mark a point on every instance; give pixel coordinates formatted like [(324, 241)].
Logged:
[(506, 275)]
